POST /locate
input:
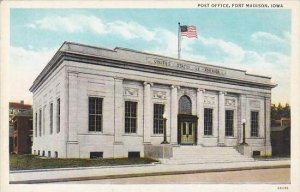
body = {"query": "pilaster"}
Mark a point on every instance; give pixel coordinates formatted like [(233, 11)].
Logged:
[(174, 113), (221, 121), (118, 117), (147, 112), (241, 115), (200, 110)]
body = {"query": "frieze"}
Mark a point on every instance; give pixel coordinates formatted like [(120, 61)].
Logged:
[(209, 100), (128, 91), (254, 104), (230, 102), (159, 95), (185, 66)]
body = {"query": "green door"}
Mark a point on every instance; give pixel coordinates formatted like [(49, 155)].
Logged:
[(187, 133)]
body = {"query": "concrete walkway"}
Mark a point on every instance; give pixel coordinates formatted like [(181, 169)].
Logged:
[(92, 173)]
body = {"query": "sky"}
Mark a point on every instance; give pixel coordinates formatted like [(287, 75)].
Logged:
[(250, 39)]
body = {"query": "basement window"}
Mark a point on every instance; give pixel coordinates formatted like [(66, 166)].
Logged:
[(96, 155), (256, 153), (56, 154), (133, 154)]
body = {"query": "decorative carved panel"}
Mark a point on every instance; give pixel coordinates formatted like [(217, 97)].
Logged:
[(230, 102), (128, 91), (255, 104), (209, 100), (159, 95)]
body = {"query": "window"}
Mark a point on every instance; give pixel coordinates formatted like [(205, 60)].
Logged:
[(130, 116), (56, 154), (51, 118), (40, 123), (36, 124), (96, 155), (49, 153), (185, 105), (44, 112), (39, 153), (158, 121), (229, 122), (208, 121), (58, 116), (254, 124), (133, 154), (43, 154), (95, 114)]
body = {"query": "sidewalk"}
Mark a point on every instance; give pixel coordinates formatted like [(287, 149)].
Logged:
[(91, 173)]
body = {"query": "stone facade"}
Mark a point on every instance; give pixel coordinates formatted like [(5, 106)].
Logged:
[(77, 72)]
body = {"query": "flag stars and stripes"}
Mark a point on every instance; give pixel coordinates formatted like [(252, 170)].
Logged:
[(188, 31)]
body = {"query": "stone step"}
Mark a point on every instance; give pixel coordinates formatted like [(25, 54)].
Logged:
[(199, 154)]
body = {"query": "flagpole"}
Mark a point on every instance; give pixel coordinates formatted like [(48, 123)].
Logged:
[(179, 40)]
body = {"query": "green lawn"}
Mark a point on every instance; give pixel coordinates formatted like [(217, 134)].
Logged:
[(29, 162)]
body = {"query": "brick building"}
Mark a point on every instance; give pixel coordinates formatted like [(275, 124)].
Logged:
[(22, 133), (15, 108), (90, 101)]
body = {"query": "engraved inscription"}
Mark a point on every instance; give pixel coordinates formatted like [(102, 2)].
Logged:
[(185, 66)]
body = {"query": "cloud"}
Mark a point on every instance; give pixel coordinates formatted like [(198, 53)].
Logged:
[(270, 42), (82, 23), (273, 61), (25, 65)]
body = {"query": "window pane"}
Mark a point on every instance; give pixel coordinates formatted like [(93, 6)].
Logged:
[(254, 124), (130, 116), (158, 118), (229, 123), (208, 121), (91, 123), (98, 123)]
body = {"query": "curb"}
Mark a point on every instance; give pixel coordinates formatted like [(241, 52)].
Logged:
[(147, 174), (81, 168)]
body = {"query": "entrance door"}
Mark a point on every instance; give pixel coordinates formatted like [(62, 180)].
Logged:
[(187, 133)]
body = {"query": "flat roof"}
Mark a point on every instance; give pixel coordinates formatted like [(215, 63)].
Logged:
[(143, 59)]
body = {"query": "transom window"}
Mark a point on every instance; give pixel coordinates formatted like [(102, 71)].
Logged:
[(229, 122), (254, 124), (208, 121), (95, 114), (185, 105), (130, 116), (158, 120)]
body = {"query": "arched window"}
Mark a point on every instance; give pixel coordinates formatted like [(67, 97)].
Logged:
[(185, 105)]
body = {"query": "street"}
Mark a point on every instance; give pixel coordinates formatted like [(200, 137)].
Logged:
[(278, 175)]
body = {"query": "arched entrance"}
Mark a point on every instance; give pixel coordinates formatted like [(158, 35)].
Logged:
[(187, 123)]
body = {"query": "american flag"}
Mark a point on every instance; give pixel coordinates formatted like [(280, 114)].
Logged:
[(188, 31)]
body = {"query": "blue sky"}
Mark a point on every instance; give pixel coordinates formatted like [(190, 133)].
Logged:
[(255, 40)]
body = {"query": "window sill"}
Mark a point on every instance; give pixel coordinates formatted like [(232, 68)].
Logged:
[(209, 136), (230, 137), (158, 135)]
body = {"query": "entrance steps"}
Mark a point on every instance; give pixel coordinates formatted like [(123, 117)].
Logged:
[(198, 154)]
